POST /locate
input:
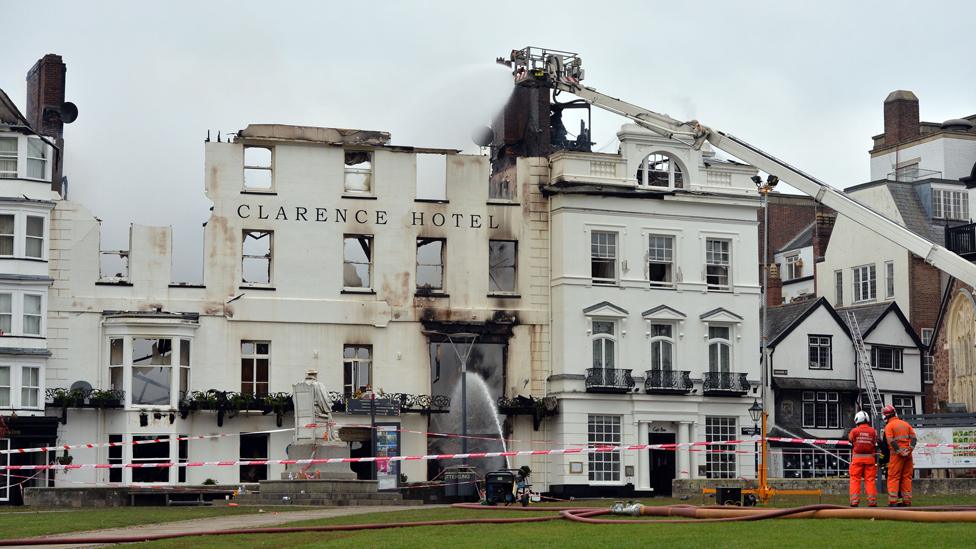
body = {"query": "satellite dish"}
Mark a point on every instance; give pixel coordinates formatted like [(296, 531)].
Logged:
[(82, 386), (69, 112), (483, 136)]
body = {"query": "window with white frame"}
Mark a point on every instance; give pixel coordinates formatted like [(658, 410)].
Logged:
[(821, 409), (718, 260), (8, 158), (886, 358), (116, 364), (948, 204), (147, 454), (904, 404), (255, 367), (33, 314), (6, 313), (838, 288), (258, 168), (719, 349), (34, 237), (864, 283), (928, 369), (604, 430), (358, 172), (604, 344), (794, 266), (36, 158), (8, 234), (257, 257), (721, 459), (30, 387), (603, 257), (184, 386), (357, 368), (660, 260), (152, 371), (6, 383), (660, 170), (819, 352), (357, 261), (889, 279), (662, 347), (816, 463)]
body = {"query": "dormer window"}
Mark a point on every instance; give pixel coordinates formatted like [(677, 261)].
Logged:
[(948, 204), (660, 170)]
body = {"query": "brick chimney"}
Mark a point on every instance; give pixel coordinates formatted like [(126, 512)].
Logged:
[(774, 292), (821, 234), (901, 120), (45, 98)]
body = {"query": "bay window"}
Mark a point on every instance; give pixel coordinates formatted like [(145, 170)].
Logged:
[(36, 158), (8, 157), (21, 387), (30, 386), (33, 314), (34, 239), (149, 370), (5, 385), (6, 313)]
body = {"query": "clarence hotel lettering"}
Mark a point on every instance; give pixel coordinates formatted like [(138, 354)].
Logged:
[(379, 217)]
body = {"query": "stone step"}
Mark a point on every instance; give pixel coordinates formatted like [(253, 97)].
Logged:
[(331, 486)]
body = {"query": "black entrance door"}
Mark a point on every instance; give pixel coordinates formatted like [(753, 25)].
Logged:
[(662, 464)]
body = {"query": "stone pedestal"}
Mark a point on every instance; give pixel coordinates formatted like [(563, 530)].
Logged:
[(318, 450)]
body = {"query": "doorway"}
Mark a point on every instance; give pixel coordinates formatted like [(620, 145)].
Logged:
[(662, 464)]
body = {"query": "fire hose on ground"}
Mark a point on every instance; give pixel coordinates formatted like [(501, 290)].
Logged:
[(672, 514)]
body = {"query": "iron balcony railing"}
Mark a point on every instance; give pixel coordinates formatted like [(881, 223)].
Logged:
[(667, 381), (609, 380), (962, 240), (725, 383)]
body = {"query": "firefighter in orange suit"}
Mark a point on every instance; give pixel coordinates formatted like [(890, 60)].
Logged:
[(900, 438), (864, 439)]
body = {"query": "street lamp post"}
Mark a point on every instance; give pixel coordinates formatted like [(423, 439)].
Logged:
[(755, 412)]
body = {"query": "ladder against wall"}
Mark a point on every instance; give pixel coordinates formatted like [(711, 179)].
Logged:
[(867, 383)]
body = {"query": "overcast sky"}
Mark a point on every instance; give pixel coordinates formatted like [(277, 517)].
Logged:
[(805, 81)]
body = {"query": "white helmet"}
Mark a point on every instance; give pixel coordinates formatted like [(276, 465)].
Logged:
[(861, 417)]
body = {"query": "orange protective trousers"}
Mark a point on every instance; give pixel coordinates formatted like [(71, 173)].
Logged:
[(900, 470), (863, 468)]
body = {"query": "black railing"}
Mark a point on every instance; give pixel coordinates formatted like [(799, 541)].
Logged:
[(609, 380), (725, 383), (667, 381), (409, 404), (962, 240)]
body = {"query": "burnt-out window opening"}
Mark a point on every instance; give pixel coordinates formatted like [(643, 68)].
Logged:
[(8, 158), (432, 176), (660, 260), (256, 257), (359, 172), (152, 368), (819, 352), (184, 366), (357, 261), (357, 368), (660, 170), (150, 453), (502, 263), (886, 358), (116, 363), (430, 263), (501, 188), (718, 254), (183, 456), (258, 168), (7, 234), (253, 446), (113, 265), (115, 458), (34, 240), (603, 257), (255, 364), (821, 409)]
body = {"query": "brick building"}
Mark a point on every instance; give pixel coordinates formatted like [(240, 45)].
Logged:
[(799, 230)]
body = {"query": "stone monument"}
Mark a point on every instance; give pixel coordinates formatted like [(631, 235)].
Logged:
[(315, 434)]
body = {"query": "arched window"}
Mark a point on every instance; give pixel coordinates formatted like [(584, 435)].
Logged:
[(719, 349), (604, 344), (662, 347), (660, 170)]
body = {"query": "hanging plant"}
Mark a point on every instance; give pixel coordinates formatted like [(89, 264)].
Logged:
[(65, 458), (105, 398)]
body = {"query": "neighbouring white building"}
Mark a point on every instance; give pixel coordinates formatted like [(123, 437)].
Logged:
[(816, 383), (321, 254), (655, 295)]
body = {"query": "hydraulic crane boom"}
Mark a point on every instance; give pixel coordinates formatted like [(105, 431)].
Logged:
[(563, 71)]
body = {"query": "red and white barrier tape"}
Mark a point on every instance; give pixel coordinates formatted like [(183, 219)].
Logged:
[(132, 442)]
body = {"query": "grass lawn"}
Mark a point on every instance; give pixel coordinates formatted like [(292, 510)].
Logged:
[(19, 522), (561, 533)]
